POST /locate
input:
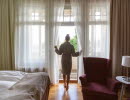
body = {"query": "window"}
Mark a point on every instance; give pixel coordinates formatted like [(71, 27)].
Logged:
[(31, 29), (98, 30)]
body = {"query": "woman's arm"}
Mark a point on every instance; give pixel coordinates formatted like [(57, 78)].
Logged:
[(59, 52), (74, 54)]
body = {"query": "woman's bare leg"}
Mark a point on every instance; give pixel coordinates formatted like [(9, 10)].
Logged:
[(68, 80), (64, 78)]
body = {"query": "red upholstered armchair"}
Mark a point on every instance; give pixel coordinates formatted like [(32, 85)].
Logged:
[(97, 83)]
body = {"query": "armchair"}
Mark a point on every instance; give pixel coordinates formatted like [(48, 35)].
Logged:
[(97, 83)]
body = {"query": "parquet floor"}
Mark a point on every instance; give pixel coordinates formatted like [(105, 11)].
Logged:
[(57, 92)]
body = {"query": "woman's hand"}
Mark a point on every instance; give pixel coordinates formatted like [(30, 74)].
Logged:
[(55, 47), (80, 52)]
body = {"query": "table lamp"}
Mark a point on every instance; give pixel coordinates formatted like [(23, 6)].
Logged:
[(126, 63)]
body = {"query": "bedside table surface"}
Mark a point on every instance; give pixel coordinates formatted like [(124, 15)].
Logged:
[(122, 79)]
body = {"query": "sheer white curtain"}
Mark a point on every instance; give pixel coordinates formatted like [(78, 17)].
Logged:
[(98, 24), (78, 13), (31, 40), (37, 34), (57, 9), (92, 24)]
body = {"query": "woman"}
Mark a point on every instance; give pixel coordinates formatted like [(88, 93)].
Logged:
[(67, 51)]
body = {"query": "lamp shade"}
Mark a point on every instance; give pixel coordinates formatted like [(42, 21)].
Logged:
[(126, 61)]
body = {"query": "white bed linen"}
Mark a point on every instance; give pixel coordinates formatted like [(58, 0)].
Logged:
[(16, 85)]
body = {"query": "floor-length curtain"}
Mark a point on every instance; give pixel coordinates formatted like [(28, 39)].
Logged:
[(56, 13), (120, 33), (6, 35), (31, 37), (92, 23), (78, 13)]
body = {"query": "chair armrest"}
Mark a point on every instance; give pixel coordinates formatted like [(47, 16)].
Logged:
[(113, 84), (83, 80)]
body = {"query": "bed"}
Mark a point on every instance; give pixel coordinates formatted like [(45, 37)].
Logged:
[(17, 85)]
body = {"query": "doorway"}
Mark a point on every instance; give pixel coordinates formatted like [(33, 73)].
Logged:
[(63, 31), (68, 27)]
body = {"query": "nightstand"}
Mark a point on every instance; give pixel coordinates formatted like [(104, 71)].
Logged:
[(122, 79)]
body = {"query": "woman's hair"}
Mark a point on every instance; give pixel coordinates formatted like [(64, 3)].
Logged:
[(67, 37)]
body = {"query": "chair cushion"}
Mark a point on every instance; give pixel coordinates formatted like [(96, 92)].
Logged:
[(96, 88)]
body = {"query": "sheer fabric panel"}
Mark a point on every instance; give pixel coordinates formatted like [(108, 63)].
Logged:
[(37, 34), (92, 23), (56, 13), (31, 48), (78, 13), (92, 20), (98, 24)]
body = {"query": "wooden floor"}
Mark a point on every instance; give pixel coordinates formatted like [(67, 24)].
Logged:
[(57, 92)]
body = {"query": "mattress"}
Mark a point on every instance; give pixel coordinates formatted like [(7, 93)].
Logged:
[(17, 85)]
